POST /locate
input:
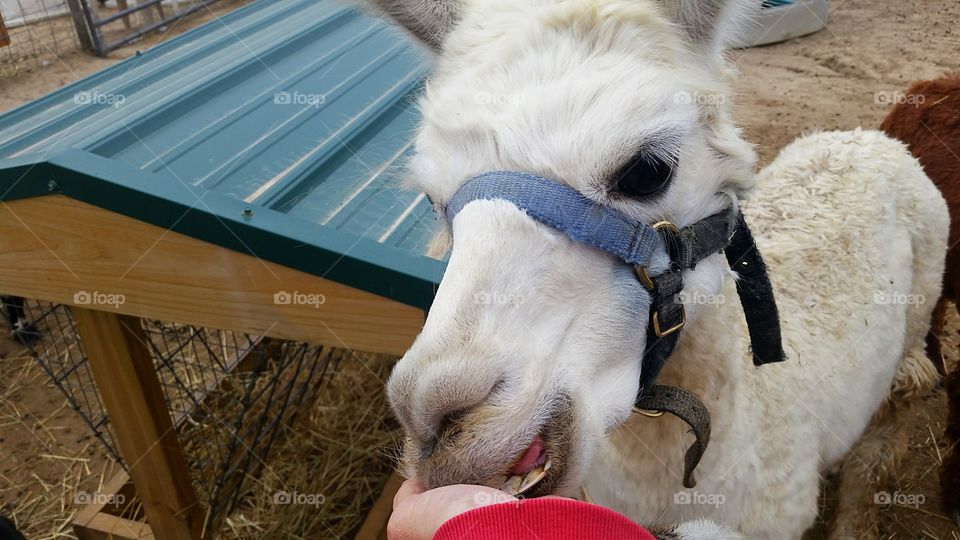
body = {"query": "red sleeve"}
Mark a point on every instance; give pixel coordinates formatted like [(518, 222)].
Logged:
[(541, 519)]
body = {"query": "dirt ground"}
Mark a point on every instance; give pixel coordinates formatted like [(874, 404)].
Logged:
[(55, 69), (839, 78)]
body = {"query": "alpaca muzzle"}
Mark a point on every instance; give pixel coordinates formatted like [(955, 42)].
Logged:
[(639, 245)]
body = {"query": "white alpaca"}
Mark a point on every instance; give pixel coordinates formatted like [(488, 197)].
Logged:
[(574, 90)]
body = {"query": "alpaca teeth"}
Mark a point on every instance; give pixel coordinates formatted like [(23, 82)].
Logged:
[(512, 485), (516, 484), (497, 481), (532, 478)]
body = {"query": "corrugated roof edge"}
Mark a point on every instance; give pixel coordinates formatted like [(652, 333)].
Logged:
[(166, 202)]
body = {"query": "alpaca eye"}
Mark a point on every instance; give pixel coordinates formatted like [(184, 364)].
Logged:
[(644, 176)]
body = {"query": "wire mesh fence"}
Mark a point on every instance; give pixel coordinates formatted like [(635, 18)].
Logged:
[(38, 32), (229, 394)]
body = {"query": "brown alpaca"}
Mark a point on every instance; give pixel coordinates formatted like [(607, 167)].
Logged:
[(927, 119)]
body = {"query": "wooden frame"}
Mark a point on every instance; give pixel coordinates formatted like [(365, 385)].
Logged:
[(94, 522), (59, 250), (120, 360), (72, 248), (4, 35)]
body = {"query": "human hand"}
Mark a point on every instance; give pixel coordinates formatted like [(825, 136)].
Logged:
[(418, 514)]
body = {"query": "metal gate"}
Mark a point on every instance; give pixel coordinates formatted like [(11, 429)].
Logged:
[(105, 25)]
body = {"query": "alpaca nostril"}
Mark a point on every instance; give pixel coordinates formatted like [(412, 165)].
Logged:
[(431, 395), (447, 430), (449, 403), (451, 422)]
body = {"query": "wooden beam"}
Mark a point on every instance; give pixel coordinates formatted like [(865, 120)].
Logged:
[(4, 35), (60, 250), (93, 522), (110, 490), (375, 525), (123, 369), (106, 527)]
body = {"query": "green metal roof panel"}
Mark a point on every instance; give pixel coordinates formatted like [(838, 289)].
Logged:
[(299, 110)]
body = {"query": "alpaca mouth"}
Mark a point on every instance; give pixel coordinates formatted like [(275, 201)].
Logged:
[(534, 463), (527, 471), (542, 468)]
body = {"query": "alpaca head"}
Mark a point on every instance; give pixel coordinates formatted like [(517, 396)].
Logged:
[(532, 349)]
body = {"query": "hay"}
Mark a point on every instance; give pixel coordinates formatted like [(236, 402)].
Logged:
[(51, 463), (339, 449), (335, 459)]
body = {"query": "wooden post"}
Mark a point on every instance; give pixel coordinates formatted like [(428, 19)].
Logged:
[(4, 35), (124, 372), (375, 526), (80, 24), (122, 5)]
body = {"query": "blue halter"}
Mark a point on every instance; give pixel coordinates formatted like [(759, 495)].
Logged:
[(566, 210)]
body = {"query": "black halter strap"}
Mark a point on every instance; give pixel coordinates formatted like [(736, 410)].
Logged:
[(686, 247), (756, 296), (726, 231)]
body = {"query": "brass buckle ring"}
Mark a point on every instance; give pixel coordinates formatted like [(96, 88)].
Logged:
[(648, 413), (641, 271), (644, 277), (666, 225), (673, 330)]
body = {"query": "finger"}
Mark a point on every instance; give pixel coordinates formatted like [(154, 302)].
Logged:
[(409, 488)]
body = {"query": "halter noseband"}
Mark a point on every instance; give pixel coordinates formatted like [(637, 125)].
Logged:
[(664, 247)]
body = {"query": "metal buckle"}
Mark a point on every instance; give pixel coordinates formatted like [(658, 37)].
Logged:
[(647, 282), (644, 278), (663, 333), (659, 332), (641, 271), (648, 413), (660, 225)]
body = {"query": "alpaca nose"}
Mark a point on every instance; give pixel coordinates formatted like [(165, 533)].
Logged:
[(427, 399)]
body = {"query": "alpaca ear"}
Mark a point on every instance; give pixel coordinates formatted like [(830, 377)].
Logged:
[(712, 24), (427, 20)]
